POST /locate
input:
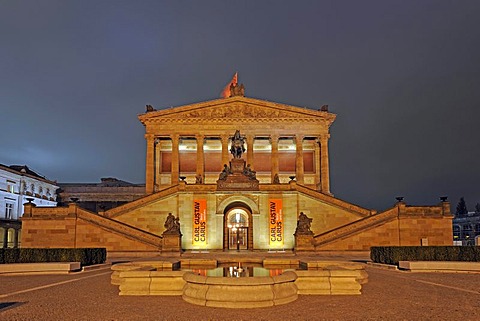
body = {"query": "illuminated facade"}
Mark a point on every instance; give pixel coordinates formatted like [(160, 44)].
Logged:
[(19, 185), (238, 191)]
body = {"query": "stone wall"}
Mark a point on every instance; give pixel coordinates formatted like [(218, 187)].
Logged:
[(72, 227), (430, 225), (137, 226)]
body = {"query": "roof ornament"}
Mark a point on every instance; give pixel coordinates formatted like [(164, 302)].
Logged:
[(149, 108), (233, 88), (237, 90)]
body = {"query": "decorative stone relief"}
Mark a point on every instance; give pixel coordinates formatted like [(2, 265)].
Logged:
[(221, 198), (237, 111)]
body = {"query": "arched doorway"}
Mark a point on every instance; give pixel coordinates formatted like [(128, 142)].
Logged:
[(238, 229)]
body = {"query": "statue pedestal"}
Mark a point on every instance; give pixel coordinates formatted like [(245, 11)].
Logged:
[(172, 243), (237, 180), (304, 242)]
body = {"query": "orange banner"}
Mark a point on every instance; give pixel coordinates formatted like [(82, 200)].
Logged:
[(276, 223), (199, 236)]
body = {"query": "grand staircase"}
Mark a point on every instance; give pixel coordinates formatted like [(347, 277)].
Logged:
[(356, 227)]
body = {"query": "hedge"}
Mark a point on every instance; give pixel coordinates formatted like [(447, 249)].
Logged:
[(86, 256), (394, 254)]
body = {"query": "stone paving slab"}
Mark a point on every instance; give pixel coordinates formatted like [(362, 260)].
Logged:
[(389, 295)]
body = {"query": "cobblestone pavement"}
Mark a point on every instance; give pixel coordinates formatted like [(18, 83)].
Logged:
[(389, 295)]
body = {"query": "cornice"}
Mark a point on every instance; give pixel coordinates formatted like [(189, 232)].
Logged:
[(236, 109)]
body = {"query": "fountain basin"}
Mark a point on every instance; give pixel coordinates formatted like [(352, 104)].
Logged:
[(281, 287), (252, 292)]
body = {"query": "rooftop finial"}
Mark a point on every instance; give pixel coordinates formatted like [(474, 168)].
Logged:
[(233, 89)]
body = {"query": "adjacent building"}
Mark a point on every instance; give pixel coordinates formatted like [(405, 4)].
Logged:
[(20, 185), (109, 193), (466, 229), (237, 173)]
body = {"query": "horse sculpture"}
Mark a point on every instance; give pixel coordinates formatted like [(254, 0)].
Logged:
[(237, 148)]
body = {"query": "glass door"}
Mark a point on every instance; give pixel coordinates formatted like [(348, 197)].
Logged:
[(238, 238), (237, 230)]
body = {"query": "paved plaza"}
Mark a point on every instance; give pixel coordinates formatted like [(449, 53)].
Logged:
[(388, 295)]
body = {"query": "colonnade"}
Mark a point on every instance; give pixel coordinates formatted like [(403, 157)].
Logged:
[(322, 176), (7, 241)]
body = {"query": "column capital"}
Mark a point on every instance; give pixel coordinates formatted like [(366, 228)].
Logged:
[(299, 138), (273, 138), (200, 138), (324, 137), (149, 136)]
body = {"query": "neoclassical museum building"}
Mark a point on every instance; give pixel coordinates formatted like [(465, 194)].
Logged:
[(236, 173)]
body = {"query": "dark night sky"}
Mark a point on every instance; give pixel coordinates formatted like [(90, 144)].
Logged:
[(402, 76)]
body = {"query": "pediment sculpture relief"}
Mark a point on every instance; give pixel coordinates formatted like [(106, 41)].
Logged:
[(236, 111)]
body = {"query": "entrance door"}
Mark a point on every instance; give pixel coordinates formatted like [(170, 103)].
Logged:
[(238, 238), (237, 230)]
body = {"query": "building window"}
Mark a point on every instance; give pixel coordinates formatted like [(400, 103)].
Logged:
[(456, 231), (8, 211), (10, 186)]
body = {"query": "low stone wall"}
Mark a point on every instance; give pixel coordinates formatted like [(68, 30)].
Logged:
[(141, 282), (254, 292), (330, 277), (40, 268), (140, 266), (439, 266)]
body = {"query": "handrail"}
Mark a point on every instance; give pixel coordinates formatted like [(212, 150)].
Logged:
[(116, 211), (360, 211), (355, 227), (120, 227)]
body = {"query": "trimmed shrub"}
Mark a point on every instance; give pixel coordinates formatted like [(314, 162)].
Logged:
[(59, 255), (33, 255), (393, 254), (11, 255), (86, 256)]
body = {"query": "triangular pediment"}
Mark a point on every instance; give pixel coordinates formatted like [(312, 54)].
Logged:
[(238, 108)]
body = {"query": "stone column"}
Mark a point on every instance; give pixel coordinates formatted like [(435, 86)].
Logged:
[(200, 155), (175, 172), (275, 167), (5, 237), (149, 170), (324, 167), (157, 164), (318, 177), (225, 151), (299, 172), (250, 139), (15, 239)]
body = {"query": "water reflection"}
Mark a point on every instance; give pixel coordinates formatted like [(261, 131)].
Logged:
[(240, 270)]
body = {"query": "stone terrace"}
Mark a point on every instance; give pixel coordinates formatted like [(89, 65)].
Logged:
[(388, 295)]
